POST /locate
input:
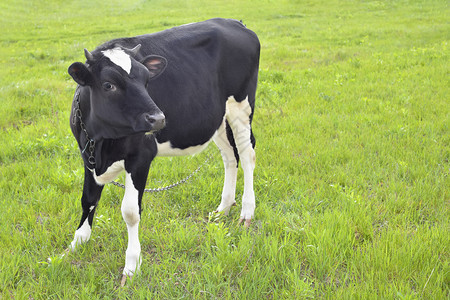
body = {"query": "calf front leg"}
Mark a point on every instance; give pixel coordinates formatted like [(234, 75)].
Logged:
[(131, 216), (89, 200), (136, 169)]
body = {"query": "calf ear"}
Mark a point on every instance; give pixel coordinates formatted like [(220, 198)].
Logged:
[(80, 74), (155, 64)]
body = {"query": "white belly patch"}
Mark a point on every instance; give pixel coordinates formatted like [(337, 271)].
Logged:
[(166, 149)]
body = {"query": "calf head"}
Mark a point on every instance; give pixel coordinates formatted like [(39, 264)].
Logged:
[(117, 87)]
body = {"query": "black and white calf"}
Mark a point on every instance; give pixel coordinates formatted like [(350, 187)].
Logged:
[(164, 94)]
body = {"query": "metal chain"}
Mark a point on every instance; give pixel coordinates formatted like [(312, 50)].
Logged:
[(90, 144), (168, 187)]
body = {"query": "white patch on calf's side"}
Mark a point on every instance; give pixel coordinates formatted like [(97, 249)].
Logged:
[(119, 57)]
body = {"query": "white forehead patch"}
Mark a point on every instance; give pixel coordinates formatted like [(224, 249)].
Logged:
[(119, 57)]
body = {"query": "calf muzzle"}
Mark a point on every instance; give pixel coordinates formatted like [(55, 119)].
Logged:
[(151, 122)]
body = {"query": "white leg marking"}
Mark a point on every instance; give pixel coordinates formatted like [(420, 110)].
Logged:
[(82, 235), (238, 116), (130, 214), (248, 199), (230, 165)]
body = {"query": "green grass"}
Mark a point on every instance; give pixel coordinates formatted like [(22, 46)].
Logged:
[(352, 177)]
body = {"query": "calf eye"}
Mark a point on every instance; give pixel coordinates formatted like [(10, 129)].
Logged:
[(108, 86)]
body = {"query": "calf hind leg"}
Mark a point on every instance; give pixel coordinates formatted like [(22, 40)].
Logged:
[(224, 141), (238, 115)]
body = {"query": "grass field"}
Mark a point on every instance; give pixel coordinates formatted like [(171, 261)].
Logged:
[(352, 177)]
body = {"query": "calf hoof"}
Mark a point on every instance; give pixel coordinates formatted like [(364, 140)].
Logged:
[(224, 210), (246, 222), (124, 280), (215, 216)]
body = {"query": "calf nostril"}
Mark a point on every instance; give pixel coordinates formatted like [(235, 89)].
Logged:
[(149, 119)]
